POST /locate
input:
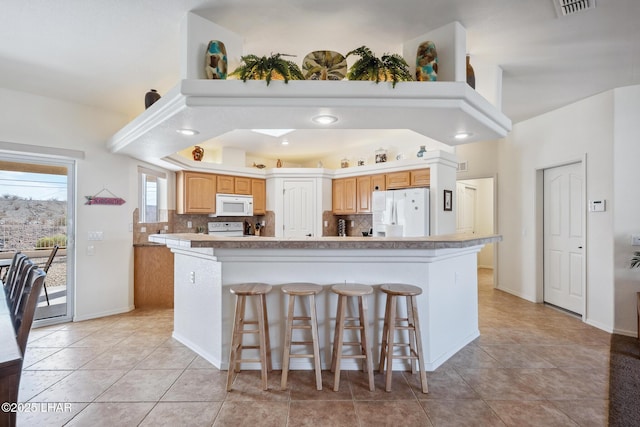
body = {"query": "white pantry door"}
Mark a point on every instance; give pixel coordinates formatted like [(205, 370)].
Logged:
[(299, 208), (564, 212)]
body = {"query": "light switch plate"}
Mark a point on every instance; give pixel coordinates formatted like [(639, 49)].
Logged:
[(635, 240), (597, 205)]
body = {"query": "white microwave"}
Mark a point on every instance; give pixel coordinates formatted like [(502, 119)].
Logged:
[(233, 205)]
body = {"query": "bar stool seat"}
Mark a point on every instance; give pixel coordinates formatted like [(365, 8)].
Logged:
[(242, 292), (410, 323), (344, 291), (310, 322)]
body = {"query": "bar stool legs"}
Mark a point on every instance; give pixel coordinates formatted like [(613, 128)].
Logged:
[(293, 322), (345, 291), (391, 324), (243, 291)]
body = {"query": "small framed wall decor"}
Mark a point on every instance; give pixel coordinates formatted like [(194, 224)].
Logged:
[(448, 200)]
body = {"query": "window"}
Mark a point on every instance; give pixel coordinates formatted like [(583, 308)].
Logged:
[(153, 195)]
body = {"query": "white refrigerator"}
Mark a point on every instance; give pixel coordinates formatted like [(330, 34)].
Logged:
[(401, 213)]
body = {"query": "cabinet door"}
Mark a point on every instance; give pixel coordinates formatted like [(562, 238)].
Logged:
[(338, 196), (421, 178), (226, 184), (398, 180), (196, 193), (350, 195), (378, 182), (242, 185), (259, 192), (364, 194)]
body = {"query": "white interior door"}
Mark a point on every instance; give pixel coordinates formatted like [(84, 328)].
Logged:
[(466, 210), (299, 208), (563, 240)]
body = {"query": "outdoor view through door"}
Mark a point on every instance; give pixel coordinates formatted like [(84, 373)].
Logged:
[(35, 219)]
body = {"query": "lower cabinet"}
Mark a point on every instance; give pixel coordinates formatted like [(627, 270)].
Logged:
[(152, 276)]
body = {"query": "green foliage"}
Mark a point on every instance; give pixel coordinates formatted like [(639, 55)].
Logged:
[(60, 221), (266, 68), (369, 67), (635, 260), (51, 241)]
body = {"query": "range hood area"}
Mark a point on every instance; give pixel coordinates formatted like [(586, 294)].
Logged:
[(438, 110)]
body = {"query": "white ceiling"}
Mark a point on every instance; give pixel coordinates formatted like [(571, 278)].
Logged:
[(108, 53)]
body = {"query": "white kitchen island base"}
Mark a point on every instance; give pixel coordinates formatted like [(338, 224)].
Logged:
[(203, 309)]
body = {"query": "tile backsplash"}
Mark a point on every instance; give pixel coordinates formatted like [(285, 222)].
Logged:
[(361, 223), (179, 224)]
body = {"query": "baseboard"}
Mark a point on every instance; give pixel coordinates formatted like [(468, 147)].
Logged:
[(624, 332), (103, 314), (606, 328), (517, 294), (200, 351)]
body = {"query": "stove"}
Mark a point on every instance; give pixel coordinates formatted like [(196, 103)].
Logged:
[(226, 229)]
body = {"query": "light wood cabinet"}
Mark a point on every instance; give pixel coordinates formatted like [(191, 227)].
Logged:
[(344, 196), (364, 189), (195, 192), (259, 192), (152, 277), (242, 185), (398, 180), (421, 177), (226, 184), (378, 182)]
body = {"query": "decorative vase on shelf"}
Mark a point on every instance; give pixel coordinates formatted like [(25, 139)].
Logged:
[(344, 163), (279, 163), (215, 65), (471, 75), (421, 151), (427, 62), (198, 153), (150, 97)]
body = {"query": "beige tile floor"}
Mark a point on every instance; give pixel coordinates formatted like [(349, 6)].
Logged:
[(532, 366)]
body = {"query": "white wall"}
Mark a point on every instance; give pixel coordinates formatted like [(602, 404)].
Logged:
[(583, 129), (103, 281), (626, 207)]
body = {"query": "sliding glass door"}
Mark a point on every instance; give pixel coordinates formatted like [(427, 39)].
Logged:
[(37, 208)]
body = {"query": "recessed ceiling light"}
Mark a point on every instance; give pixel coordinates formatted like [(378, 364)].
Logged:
[(462, 135), (273, 132), (284, 142), (324, 119), (187, 132)]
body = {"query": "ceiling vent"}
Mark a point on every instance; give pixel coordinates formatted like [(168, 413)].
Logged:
[(569, 7)]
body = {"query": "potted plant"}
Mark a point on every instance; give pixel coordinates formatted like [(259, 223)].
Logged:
[(391, 67), (267, 68)]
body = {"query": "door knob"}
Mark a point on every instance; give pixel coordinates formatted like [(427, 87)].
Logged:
[(579, 247), (308, 235)]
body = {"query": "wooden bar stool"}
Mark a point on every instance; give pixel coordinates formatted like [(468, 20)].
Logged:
[(410, 323), (308, 323), (242, 291), (345, 291)]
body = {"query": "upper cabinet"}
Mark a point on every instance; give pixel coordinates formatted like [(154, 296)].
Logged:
[(195, 192), (259, 192), (420, 178), (353, 195), (398, 180), (344, 196), (228, 184), (363, 190)]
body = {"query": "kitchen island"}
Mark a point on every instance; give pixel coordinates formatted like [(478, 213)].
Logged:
[(445, 267)]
